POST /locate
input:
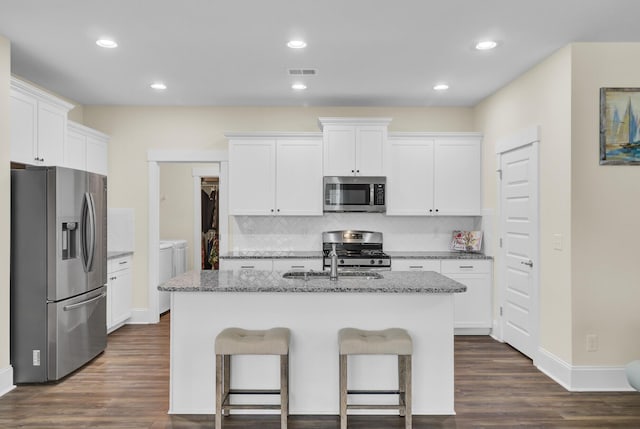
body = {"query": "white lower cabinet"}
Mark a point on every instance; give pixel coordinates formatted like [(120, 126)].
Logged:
[(119, 291), (473, 312), (297, 264), (246, 264), (473, 309)]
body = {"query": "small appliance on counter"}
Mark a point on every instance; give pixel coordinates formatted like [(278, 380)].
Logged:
[(354, 194), (356, 250), (58, 271)]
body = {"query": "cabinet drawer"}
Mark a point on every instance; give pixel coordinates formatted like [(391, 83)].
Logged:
[(297, 264), (246, 264), (415, 265), (118, 264), (459, 266)]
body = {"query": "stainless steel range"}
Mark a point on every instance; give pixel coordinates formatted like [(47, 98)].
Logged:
[(356, 250)]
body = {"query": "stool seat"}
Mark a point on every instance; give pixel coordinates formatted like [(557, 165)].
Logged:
[(238, 341), (392, 341)]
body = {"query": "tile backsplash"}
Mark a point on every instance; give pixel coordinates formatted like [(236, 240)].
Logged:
[(304, 233)]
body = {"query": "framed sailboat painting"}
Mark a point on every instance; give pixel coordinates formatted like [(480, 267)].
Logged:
[(619, 126)]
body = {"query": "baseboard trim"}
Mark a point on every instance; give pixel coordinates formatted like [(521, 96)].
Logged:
[(6, 380), (142, 316), (582, 378)]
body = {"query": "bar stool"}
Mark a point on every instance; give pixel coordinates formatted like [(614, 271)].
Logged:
[(237, 341), (393, 341)]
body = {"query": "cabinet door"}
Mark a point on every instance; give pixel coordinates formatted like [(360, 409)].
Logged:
[(339, 150), (370, 142), (96, 155), (246, 264), (297, 264), (410, 178), (252, 177), (75, 151), (457, 177), (415, 265), (473, 308), (52, 131), (24, 114), (121, 297), (299, 177)]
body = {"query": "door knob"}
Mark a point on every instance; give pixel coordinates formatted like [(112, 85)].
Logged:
[(529, 263)]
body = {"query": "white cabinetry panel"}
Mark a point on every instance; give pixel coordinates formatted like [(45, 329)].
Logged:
[(246, 264), (415, 265), (297, 264), (473, 309), (38, 124), (119, 292), (434, 175), (86, 149), (275, 176)]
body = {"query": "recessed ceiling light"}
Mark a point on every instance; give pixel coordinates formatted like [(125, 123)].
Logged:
[(485, 45), (297, 44), (441, 87), (158, 85), (298, 86), (106, 43)]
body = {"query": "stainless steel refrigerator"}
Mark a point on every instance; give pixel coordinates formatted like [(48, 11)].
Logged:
[(58, 271)]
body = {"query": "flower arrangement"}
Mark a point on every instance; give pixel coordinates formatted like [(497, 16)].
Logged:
[(466, 241)]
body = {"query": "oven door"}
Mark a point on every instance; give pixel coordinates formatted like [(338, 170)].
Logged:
[(354, 194)]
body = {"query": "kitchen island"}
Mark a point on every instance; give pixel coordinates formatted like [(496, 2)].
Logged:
[(314, 308)]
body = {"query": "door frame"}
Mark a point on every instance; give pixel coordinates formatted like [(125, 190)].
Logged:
[(154, 158), (528, 136)]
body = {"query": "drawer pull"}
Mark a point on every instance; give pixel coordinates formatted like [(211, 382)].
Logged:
[(297, 266), (123, 262), (247, 266), (466, 267), (416, 266)]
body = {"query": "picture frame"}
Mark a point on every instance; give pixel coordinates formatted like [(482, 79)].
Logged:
[(466, 241), (619, 126)]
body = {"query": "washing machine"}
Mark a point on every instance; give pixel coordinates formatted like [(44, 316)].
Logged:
[(179, 255)]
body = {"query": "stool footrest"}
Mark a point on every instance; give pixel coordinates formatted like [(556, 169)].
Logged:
[(373, 392), (374, 407), (253, 392), (251, 407)]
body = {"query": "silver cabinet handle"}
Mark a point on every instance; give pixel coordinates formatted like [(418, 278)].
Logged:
[(529, 263), (247, 266), (416, 266), (465, 267)]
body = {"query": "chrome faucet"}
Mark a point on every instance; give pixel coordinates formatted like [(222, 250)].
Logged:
[(333, 275)]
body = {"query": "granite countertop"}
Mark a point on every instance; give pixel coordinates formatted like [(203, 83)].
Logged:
[(272, 254), (111, 254), (424, 282), (437, 255)]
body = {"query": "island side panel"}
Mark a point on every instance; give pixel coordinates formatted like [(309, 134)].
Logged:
[(314, 320)]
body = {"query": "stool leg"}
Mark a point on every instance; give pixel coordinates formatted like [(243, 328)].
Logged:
[(284, 390), (401, 384), (226, 380), (219, 378), (407, 391), (343, 391)]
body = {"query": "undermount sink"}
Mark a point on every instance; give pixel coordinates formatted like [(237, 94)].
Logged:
[(310, 275)]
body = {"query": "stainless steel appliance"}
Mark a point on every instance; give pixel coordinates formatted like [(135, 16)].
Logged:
[(356, 250), (58, 271), (354, 194)]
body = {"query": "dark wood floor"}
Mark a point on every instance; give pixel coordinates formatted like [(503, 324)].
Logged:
[(127, 387)]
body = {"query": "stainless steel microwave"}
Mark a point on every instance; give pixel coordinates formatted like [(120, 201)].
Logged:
[(354, 194)]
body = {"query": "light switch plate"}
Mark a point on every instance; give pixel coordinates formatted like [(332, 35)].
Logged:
[(557, 241)]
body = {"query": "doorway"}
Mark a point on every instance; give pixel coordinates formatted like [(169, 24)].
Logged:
[(519, 241), (209, 213)]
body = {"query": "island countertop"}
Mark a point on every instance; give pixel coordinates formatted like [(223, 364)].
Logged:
[(422, 282)]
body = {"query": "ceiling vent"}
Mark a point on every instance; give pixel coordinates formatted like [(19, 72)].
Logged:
[(302, 72)]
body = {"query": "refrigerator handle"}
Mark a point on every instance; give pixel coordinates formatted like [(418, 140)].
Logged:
[(83, 232), (80, 304), (92, 232)]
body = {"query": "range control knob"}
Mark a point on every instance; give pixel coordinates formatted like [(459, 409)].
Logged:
[(372, 262), (380, 261), (342, 261)]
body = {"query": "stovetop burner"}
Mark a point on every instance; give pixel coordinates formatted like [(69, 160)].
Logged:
[(356, 249)]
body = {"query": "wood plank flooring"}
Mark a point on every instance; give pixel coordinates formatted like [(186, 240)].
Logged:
[(127, 387)]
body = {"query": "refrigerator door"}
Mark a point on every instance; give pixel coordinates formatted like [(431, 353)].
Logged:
[(66, 189), (97, 236), (76, 332)]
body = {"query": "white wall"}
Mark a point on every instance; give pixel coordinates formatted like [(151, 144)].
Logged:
[(541, 96), (605, 215), (5, 205), (135, 130)]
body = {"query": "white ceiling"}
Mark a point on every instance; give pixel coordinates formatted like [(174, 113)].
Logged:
[(367, 52)]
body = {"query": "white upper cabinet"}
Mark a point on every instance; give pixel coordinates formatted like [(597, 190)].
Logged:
[(86, 149), (431, 174), (38, 123), (275, 175), (354, 146)]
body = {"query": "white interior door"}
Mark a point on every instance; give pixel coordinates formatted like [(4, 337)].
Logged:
[(519, 233)]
